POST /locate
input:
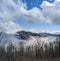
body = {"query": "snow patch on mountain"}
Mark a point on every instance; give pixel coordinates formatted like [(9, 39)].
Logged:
[(34, 40)]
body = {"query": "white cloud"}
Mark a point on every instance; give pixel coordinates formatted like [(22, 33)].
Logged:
[(34, 15), (58, 0), (47, 31), (9, 12), (51, 13), (46, 4), (33, 30), (44, 31), (9, 27)]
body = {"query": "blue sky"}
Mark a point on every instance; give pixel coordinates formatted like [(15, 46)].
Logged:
[(38, 26), (35, 3), (39, 15)]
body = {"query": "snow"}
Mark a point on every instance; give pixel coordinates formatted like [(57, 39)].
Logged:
[(8, 38), (34, 40)]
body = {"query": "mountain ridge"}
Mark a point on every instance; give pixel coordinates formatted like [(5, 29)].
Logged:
[(26, 37)]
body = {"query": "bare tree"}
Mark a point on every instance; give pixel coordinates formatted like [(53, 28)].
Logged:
[(10, 52)]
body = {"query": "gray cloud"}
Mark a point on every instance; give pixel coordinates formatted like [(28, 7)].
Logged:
[(51, 13)]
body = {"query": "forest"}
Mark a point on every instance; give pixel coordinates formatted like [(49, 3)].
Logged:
[(39, 52)]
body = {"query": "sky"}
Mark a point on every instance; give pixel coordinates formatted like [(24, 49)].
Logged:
[(30, 15)]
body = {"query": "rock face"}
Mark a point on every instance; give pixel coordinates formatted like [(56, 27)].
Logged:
[(25, 35)]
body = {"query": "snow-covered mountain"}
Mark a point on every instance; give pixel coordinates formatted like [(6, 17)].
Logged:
[(28, 38), (7, 38)]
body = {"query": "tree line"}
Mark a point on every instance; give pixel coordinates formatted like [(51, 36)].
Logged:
[(29, 53)]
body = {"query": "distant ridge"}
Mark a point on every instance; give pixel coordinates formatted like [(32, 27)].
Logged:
[(26, 34)]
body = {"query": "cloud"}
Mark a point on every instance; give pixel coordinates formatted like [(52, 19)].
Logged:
[(51, 12), (58, 0), (48, 14), (44, 31), (46, 4), (10, 27), (34, 15), (33, 30), (11, 10)]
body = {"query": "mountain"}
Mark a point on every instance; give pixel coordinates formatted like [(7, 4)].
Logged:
[(28, 38), (49, 34), (6, 38), (26, 35)]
